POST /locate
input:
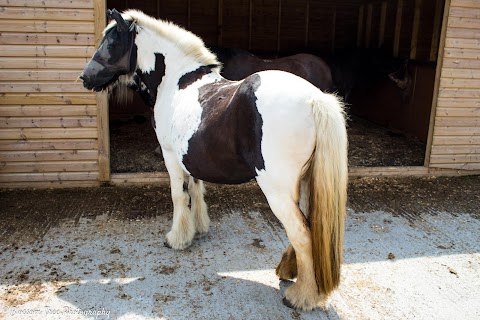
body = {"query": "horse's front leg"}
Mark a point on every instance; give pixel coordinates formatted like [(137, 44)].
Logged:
[(183, 227), (196, 189)]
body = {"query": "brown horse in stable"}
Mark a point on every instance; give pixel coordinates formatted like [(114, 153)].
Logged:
[(239, 64)]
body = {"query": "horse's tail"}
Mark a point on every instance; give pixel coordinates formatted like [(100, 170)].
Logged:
[(328, 190)]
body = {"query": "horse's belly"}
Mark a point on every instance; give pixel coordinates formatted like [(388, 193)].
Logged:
[(224, 171)]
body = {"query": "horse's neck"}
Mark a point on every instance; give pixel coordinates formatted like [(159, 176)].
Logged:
[(158, 57)]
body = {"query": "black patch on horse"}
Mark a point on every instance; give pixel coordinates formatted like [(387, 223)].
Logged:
[(189, 78), (227, 145), (152, 79)]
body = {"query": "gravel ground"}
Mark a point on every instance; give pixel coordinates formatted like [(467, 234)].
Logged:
[(412, 250)]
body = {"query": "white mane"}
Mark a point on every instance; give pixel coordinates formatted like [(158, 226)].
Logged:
[(185, 40)]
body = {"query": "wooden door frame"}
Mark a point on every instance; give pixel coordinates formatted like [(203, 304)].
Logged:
[(436, 87), (100, 22)]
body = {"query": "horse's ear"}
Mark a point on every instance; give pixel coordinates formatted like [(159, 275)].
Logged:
[(121, 24)]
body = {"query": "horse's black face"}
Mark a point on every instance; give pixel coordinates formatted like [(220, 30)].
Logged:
[(116, 55)]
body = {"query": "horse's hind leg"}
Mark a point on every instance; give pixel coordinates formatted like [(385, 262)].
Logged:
[(183, 227), (283, 200), (196, 189), (287, 268)]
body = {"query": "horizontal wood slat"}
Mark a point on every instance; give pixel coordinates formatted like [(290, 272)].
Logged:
[(462, 53), (43, 63), (42, 87), (460, 83), (48, 166), (461, 73), (454, 149), (458, 112), (46, 26), (465, 12), (48, 111), (471, 167), (457, 131), (55, 144), (463, 33), (47, 38), (464, 3), (47, 14), (46, 51), (456, 158), (456, 140), (463, 22), (48, 3), (50, 176), (86, 98), (63, 122), (39, 75), (461, 103), (50, 184), (49, 133), (450, 121), (48, 155), (462, 43), (459, 93), (461, 63)]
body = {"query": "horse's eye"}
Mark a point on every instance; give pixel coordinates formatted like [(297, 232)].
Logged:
[(111, 46)]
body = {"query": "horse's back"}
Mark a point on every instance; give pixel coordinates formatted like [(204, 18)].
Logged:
[(311, 68)]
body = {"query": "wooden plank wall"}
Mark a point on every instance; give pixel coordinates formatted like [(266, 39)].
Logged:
[(262, 26), (455, 138), (48, 122), (409, 28)]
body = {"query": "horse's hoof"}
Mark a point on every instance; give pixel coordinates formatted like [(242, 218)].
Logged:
[(167, 245), (287, 303)]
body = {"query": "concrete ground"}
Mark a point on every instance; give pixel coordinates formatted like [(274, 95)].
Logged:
[(82, 255)]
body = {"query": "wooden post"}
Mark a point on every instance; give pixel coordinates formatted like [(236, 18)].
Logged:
[(102, 102), (368, 25), (189, 13), (360, 26), (437, 26), (307, 21), (383, 19), (436, 87), (279, 25), (220, 23), (398, 28), (332, 33), (250, 22), (415, 28)]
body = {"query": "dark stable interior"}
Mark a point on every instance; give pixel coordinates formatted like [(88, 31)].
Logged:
[(383, 128)]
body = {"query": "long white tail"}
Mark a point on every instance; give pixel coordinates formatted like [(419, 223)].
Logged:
[(328, 190)]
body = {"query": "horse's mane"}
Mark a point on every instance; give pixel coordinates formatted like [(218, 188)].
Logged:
[(185, 40)]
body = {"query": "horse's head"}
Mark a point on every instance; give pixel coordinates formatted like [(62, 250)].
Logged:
[(403, 81), (116, 55)]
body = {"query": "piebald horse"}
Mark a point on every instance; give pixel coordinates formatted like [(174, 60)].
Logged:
[(272, 126)]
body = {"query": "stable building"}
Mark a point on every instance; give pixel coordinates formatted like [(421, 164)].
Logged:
[(55, 133)]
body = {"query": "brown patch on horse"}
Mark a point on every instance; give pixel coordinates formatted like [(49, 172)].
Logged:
[(227, 145), (287, 268)]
